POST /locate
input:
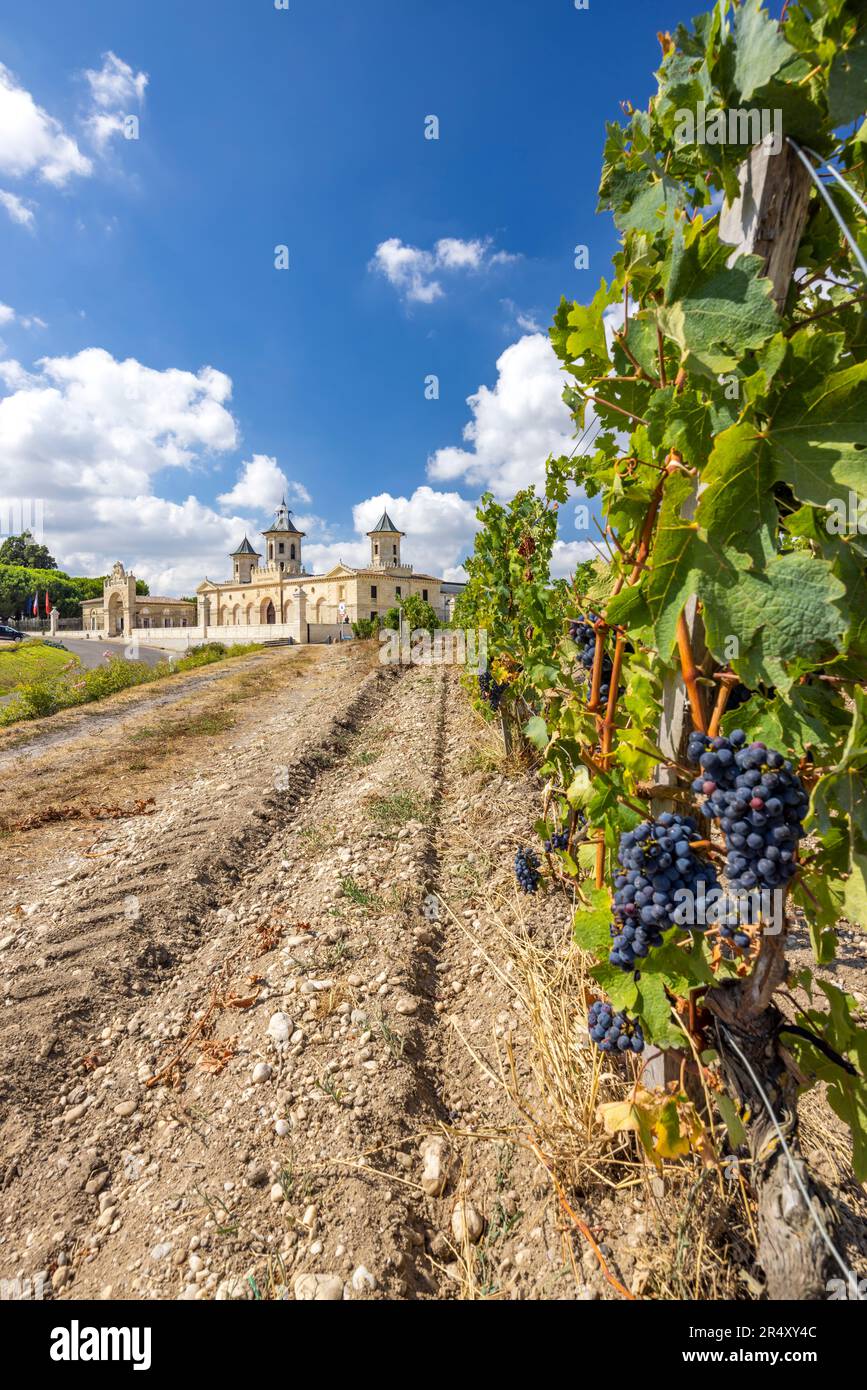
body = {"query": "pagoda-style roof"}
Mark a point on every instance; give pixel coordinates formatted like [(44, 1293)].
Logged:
[(283, 522), (385, 526)]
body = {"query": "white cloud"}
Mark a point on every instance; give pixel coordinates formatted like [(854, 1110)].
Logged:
[(20, 211), (567, 554), (515, 425), (414, 272), (32, 141), (89, 434), (259, 486), (439, 526), (115, 85), (114, 89), (7, 314)]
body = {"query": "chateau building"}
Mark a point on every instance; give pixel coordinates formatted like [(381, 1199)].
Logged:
[(270, 589), (273, 588)]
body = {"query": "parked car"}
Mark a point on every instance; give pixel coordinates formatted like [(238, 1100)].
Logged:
[(10, 634)]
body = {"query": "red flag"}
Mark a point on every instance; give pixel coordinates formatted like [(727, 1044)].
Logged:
[(47, 604), (36, 604)]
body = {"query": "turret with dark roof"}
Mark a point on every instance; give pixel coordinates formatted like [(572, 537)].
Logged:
[(283, 522), (284, 541), (385, 544), (386, 527), (245, 548)]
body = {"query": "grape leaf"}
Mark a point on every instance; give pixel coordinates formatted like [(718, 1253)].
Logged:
[(818, 440), (761, 48), (713, 311), (590, 924), (847, 82)]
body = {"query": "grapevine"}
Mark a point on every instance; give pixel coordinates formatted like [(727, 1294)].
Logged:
[(705, 711)]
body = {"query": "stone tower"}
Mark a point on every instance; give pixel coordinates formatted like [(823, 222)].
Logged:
[(244, 560), (385, 544), (283, 542)]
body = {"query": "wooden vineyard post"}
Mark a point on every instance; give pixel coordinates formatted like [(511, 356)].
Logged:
[(768, 220)]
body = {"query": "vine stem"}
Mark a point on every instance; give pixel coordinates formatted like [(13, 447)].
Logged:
[(660, 348), (578, 1223), (609, 405), (690, 675), (607, 730), (727, 685)]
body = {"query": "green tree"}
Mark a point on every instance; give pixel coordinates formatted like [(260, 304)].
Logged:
[(417, 614), (24, 550)]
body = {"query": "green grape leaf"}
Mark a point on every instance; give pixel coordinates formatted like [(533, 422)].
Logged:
[(847, 83), (761, 50), (713, 311), (590, 924), (818, 439)]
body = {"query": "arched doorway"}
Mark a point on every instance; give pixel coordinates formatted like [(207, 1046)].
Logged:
[(115, 615), (268, 613)]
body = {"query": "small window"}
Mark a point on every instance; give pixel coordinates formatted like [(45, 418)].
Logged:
[(292, 552), (424, 595), (394, 551), (373, 614), (373, 591), (271, 550), (281, 547), (397, 591)]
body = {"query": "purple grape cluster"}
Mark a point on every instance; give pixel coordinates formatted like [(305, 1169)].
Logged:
[(527, 870), (760, 803), (558, 841), (584, 635), (491, 691), (613, 1032), (656, 863), (561, 839)]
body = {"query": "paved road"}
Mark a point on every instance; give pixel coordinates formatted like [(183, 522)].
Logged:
[(92, 653)]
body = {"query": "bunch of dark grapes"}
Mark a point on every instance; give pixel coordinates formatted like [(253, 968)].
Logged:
[(527, 870), (561, 839), (490, 690), (558, 841), (760, 803), (656, 862), (613, 1032), (584, 635)]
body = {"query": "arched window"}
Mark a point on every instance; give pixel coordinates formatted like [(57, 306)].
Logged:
[(292, 552)]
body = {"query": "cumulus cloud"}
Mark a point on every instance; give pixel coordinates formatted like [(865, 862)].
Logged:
[(88, 434), (33, 142), (19, 211), (515, 425), (115, 89), (260, 485), (417, 274), (439, 526), (7, 314)]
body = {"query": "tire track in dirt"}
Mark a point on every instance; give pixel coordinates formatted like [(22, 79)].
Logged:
[(106, 942), (294, 1167)]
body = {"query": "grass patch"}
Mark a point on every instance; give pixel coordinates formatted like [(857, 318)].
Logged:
[(397, 809), (32, 661), (319, 837), (47, 694), (356, 894)]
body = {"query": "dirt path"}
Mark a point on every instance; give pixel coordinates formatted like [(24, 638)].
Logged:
[(295, 1035)]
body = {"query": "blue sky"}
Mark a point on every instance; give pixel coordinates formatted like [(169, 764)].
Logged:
[(129, 267)]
